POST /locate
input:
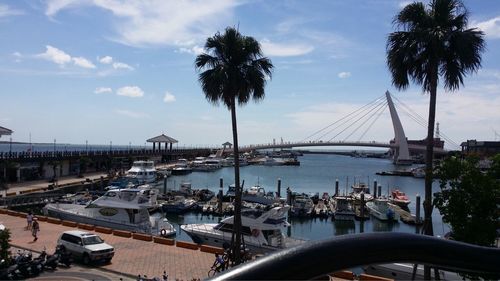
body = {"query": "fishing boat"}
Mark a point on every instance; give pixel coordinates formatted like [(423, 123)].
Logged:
[(359, 188), (321, 209), (178, 205), (123, 209), (302, 206), (380, 209), (261, 230), (342, 209), (399, 198)]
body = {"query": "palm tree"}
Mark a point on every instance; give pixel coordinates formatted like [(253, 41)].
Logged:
[(433, 42), (234, 71)]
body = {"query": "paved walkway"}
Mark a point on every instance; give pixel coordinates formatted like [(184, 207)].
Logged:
[(132, 257), (36, 185)]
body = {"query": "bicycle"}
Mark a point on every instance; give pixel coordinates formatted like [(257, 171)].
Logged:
[(214, 270)]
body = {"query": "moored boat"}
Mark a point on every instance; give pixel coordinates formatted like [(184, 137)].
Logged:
[(399, 198), (142, 172), (261, 230), (380, 209), (124, 209), (342, 208)]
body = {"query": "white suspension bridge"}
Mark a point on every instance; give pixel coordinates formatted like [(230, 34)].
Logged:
[(366, 116)]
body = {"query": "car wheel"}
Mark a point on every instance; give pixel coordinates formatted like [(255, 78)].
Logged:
[(108, 260), (86, 259)]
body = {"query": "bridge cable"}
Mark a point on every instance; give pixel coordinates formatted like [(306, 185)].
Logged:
[(319, 131), (346, 121), (373, 122), (350, 120), (380, 103), (368, 119), (423, 122)]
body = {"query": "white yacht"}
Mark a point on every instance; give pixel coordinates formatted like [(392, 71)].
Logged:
[(142, 171), (380, 209), (124, 209), (261, 231), (256, 190)]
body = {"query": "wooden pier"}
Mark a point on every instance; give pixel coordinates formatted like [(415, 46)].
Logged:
[(406, 216)]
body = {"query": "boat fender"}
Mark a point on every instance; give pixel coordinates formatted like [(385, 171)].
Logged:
[(163, 232), (255, 232)]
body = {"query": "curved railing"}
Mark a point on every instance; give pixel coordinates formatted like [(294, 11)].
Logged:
[(318, 258)]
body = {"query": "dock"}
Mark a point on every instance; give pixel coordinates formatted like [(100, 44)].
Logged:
[(133, 256), (406, 216)]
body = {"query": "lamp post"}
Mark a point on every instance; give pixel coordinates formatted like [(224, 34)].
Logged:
[(54, 147), (87, 146), (110, 146)]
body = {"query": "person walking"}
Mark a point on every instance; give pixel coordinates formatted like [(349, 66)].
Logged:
[(29, 220), (35, 228)]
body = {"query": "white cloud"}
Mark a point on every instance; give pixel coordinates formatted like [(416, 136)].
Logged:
[(158, 22), (195, 50), (103, 90), (106, 60), (61, 58), (284, 49), (6, 11), (17, 56), (83, 62), (132, 114), (344, 74), (490, 27), (168, 97), (121, 65), (130, 91), (55, 55)]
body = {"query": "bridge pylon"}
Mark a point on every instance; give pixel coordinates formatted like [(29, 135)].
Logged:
[(401, 152)]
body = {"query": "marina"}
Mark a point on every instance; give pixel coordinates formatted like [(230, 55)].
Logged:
[(203, 207)]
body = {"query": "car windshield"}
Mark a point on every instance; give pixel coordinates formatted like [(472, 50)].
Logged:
[(91, 240)]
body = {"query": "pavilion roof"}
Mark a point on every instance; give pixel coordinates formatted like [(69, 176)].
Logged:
[(5, 131), (227, 143), (162, 138)]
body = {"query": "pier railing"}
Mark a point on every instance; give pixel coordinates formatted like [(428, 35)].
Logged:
[(318, 258), (23, 155)]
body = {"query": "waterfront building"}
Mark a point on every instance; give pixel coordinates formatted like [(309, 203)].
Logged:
[(481, 148)]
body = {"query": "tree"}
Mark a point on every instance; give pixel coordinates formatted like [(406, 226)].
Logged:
[(468, 199), (433, 42), (4, 245), (234, 71)]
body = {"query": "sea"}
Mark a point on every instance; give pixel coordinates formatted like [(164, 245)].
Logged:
[(316, 173)]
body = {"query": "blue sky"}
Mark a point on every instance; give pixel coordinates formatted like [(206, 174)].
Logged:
[(123, 71)]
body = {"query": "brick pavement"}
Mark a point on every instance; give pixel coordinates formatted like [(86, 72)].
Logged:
[(132, 256)]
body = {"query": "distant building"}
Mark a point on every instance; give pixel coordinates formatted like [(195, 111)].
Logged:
[(481, 148), (5, 131), (419, 155)]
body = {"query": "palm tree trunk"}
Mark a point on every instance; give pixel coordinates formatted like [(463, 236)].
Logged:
[(237, 200), (428, 229)]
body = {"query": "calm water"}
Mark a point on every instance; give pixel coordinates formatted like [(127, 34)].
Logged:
[(317, 173)]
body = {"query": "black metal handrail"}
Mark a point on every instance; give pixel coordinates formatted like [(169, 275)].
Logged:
[(318, 258)]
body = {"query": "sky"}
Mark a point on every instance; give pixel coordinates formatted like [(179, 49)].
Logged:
[(123, 71)]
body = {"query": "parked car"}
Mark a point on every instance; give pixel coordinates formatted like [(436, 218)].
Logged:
[(87, 246)]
